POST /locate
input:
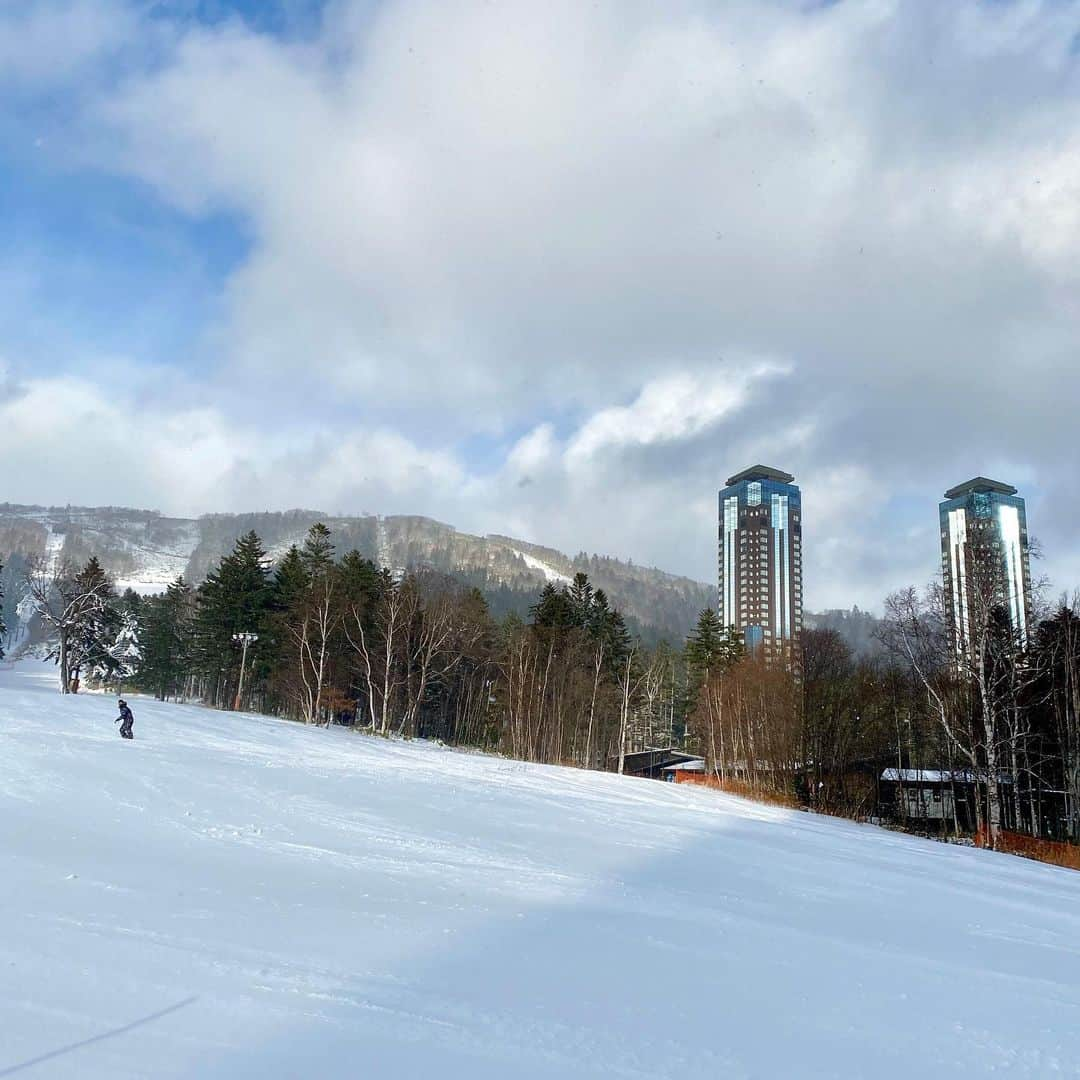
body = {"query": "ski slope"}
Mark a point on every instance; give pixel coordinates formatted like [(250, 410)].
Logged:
[(233, 896)]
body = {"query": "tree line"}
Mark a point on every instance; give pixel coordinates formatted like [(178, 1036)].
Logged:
[(324, 638), (991, 728)]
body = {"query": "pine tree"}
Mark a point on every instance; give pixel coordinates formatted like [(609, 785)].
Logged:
[(361, 580), (307, 622), (126, 652), (12, 593), (581, 599), (235, 599), (290, 580), (362, 585), (607, 627), (3, 628), (166, 641), (554, 610), (95, 627), (619, 639), (317, 556), (712, 648), (599, 614), (704, 644)]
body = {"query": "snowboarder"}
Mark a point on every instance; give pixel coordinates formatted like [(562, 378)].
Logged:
[(128, 718)]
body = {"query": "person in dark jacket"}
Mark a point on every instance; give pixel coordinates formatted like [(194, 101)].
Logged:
[(126, 719)]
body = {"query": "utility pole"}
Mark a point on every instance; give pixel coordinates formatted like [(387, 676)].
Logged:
[(244, 640)]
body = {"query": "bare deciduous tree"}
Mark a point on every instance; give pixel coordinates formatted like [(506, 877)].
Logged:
[(61, 598)]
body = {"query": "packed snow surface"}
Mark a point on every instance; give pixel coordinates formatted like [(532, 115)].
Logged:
[(233, 896)]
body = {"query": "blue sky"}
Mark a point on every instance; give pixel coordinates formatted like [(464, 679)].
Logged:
[(554, 270)]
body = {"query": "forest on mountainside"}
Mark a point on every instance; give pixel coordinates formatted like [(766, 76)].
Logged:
[(146, 550)]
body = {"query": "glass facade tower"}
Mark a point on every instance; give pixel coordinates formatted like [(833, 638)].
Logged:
[(984, 559), (760, 559)]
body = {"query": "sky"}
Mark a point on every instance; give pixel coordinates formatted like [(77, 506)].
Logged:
[(552, 270)]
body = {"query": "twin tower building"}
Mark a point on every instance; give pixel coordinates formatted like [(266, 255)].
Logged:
[(761, 560), (984, 559)]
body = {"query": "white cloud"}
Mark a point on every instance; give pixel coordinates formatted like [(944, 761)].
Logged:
[(532, 451), (476, 219), (68, 440), (669, 409), (46, 43), (462, 210)]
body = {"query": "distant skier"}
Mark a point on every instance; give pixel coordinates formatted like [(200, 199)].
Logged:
[(126, 719)]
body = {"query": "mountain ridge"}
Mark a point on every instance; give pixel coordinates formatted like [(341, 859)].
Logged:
[(146, 549)]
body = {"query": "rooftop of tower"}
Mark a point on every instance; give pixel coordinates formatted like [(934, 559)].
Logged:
[(761, 472), (980, 483)]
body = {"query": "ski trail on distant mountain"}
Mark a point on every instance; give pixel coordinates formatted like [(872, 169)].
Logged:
[(382, 542), (549, 572)]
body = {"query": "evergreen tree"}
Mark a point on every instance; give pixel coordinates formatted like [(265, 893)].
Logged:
[(235, 599), (362, 585), (361, 580), (607, 627), (711, 648), (317, 556), (12, 591), (619, 639), (599, 614), (166, 640), (290, 581), (307, 624), (3, 628), (554, 610), (705, 643), (289, 588), (96, 626), (581, 599), (126, 652)]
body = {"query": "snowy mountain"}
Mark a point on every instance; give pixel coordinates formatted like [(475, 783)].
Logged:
[(234, 896), (144, 551)]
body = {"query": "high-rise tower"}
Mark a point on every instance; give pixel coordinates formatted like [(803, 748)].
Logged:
[(761, 559), (984, 559)]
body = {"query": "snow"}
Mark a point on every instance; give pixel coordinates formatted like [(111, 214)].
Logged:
[(54, 545), (154, 566), (928, 776), (157, 567), (936, 776), (549, 572), (234, 896)]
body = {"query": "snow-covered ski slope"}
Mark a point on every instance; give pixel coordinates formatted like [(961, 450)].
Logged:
[(321, 904)]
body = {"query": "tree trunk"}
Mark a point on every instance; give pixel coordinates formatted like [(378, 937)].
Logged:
[(65, 674)]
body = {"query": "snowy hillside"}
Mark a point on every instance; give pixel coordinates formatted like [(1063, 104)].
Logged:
[(145, 551), (321, 904)]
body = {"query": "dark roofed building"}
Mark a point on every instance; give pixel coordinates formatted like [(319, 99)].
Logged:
[(652, 763)]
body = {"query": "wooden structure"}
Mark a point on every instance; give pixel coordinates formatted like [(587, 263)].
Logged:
[(652, 763)]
